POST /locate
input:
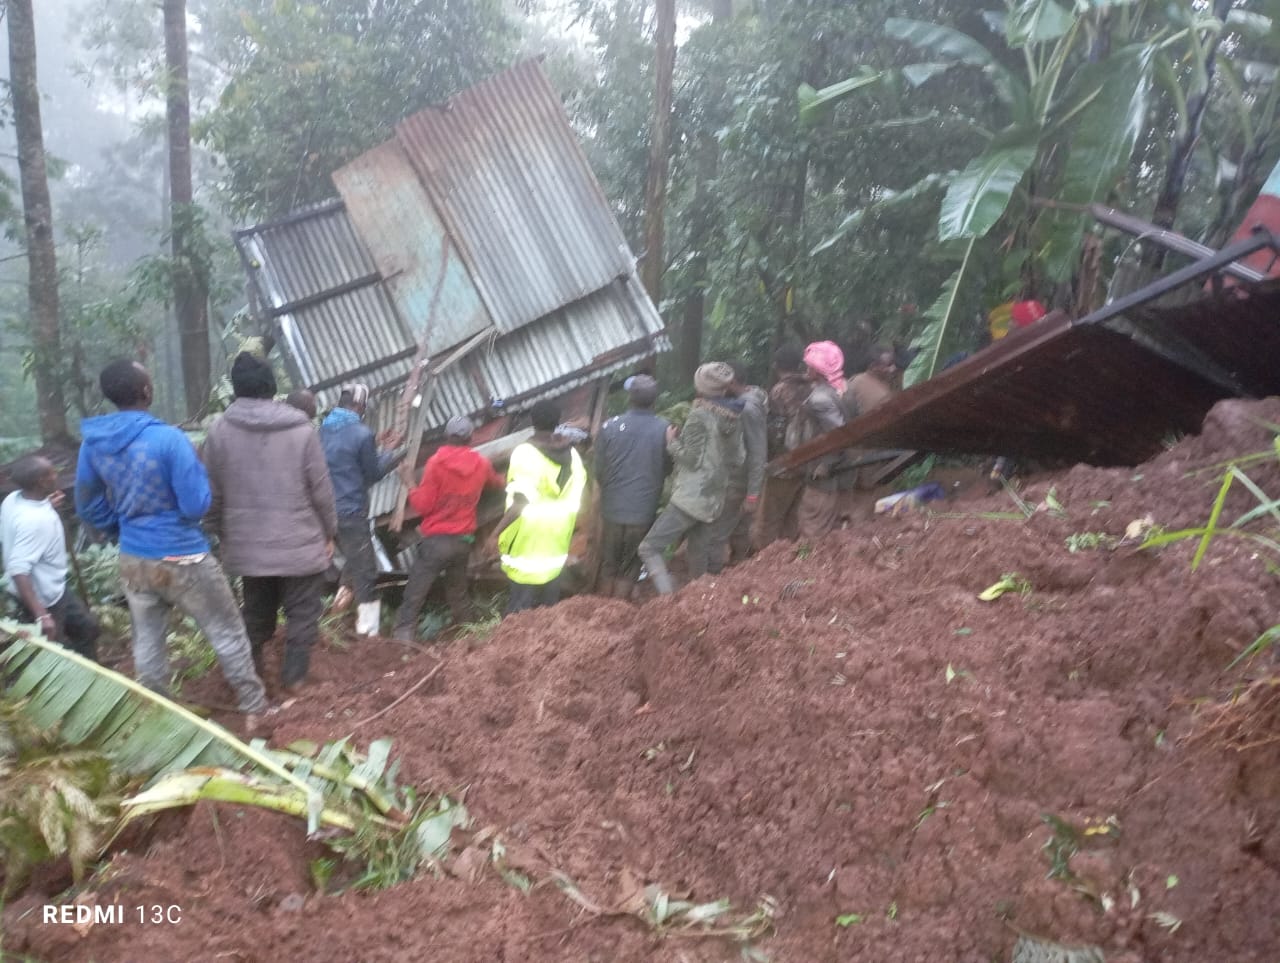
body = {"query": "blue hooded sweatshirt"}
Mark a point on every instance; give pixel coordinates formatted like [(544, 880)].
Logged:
[(140, 478)]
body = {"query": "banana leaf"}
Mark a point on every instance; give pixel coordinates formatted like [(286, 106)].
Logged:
[(961, 47), (1113, 98), (980, 193), (942, 315), (1037, 21), (142, 732), (891, 199), (815, 103)]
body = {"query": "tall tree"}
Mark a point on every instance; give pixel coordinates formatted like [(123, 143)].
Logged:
[(655, 193), (42, 261), (190, 287), (701, 228)]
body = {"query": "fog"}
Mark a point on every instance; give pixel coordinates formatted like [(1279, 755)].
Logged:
[(111, 171)]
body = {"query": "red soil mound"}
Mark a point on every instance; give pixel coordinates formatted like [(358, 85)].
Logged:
[(845, 728)]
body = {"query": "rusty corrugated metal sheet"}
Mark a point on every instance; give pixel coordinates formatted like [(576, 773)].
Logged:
[(1238, 334), (511, 183), (424, 270), (1079, 391), (319, 285)]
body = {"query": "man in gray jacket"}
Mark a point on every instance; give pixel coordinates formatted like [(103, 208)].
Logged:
[(273, 511)]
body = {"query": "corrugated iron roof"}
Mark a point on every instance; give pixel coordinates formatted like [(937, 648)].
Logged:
[(424, 270), (315, 279), (1052, 390), (1093, 390), (511, 182)]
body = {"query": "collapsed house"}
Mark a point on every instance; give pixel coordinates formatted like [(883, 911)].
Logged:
[(1114, 386), (471, 265)]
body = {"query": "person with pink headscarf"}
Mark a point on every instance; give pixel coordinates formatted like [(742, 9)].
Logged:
[(814, 380), (825, 359)]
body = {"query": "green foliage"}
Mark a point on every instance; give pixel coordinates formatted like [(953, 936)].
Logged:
[(142, 732), (54, 800), (312, 85), (99, 567)]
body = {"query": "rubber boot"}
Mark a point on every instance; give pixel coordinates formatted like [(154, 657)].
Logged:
[(368, 618), (663, 581)]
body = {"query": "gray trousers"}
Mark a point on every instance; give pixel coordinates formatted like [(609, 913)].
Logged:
[(359, 564), (154, 587), (672, 526), (433, 555), (729, 539)]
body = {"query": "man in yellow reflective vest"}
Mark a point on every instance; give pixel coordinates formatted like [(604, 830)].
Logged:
[(545, 482)]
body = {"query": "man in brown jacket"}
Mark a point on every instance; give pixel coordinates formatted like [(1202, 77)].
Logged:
[(273, 511)]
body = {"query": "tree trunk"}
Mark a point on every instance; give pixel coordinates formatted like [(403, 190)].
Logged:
[(701, 228), (42, 259), (655, 190), (1183, 147), (190, 293)]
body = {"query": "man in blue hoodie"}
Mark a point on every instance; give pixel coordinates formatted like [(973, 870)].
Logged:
[(355, 466), (139, 479)]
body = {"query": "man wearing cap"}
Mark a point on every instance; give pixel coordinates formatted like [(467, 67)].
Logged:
[(273, 512), (356, 465), (140, 479), (707, 452), (545, 482), (630, 466), (453, 480)]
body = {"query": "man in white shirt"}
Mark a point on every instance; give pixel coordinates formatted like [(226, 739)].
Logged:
[(35, 558)]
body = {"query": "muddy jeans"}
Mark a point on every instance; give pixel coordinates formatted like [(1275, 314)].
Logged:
[(300, 597), (359, 564), (433, 555), (154, 587), (729, 540), (672, 526)]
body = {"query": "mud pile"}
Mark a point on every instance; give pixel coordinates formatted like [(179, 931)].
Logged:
[(843, 727)]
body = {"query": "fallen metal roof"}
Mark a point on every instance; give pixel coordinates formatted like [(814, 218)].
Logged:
[(316, 283), (344, 332), (514, 189), (481, 216), (425, 273), (1107, 389)]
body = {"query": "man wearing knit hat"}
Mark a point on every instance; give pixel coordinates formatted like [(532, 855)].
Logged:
[(453, 480), (273, 512), (707, 452), (355, 466), (630, 466)]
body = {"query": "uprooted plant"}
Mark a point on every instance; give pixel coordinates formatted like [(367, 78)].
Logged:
[(55, 801), (111, 733)]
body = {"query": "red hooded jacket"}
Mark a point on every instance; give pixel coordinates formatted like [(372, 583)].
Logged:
[(452, 481)]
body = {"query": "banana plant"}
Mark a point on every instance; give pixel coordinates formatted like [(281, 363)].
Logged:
[(1070, 130)]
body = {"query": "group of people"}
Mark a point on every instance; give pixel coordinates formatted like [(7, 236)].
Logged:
[(279, 496), (721, 504)]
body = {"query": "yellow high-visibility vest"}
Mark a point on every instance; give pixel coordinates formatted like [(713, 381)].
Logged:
[(535, 546)]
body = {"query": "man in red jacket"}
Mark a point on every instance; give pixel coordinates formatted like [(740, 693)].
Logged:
[(452, 482)]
